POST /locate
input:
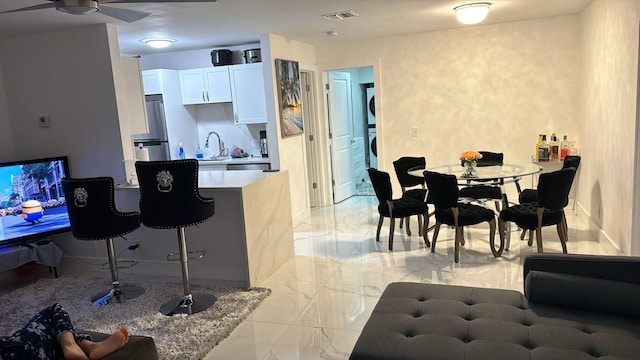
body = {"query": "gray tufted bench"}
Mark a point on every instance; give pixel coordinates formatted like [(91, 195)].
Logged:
[(576, 307)]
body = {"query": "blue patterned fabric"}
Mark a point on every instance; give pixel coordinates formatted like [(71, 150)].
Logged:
[(38, 339)]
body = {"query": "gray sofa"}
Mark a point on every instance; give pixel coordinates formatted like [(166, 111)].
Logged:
[(574, 307)]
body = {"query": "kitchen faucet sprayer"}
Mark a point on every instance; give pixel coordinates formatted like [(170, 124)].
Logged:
[(220, 143)]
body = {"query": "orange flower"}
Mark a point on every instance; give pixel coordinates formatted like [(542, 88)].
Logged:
[(470, 155)]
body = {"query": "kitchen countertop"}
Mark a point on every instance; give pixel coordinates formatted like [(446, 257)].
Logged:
[(247, 160), (211, 179)]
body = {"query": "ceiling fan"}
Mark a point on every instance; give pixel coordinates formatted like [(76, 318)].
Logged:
[(83, 7)]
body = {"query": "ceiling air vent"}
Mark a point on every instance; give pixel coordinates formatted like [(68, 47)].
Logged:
[(340, 15)]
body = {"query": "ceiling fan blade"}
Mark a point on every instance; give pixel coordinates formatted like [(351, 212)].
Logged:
[(34, 7), (123, 14), (153, 1)]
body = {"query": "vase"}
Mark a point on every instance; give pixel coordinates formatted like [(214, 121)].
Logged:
[(469, 168)]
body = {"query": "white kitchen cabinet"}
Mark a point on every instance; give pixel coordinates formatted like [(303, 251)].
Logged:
[(247, 93), (205, 85), (152, 82)]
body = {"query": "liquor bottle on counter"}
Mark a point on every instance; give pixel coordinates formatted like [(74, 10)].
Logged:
[(538, 146), (564, 148), (554, 148), (543, 150)]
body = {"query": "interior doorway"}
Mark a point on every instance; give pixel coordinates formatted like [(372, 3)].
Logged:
[(350, 108)]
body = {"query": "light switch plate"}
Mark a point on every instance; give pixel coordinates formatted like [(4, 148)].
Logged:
[(43, 121), (414, 132)]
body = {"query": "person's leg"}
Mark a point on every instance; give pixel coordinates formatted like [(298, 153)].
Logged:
[(38, 338), (98, 350)]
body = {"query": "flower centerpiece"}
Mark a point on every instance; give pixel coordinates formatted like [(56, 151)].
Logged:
[(469, 160)]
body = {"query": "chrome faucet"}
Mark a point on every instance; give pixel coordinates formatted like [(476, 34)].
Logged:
[(222, 151)]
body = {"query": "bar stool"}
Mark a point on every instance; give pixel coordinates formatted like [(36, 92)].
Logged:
[(169, 198), (93, 216)]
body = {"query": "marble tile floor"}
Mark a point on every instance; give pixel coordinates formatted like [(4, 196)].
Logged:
[(322, 297)]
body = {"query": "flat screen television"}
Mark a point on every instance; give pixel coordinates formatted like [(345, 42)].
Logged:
[(32, 203)]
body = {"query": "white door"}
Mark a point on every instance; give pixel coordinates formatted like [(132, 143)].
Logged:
[(340, 120)]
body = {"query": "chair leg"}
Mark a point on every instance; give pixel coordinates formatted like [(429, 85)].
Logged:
[(113, 267), (187, 304), (391, 231), (539, 239), (524, 234), (497, 204), (456, 249), (379, 227), (425, 233), (563, 234), (492, 239), (420, 224), (502, 226), (402, 222), (408, 226), (436, 230), (530, 242)]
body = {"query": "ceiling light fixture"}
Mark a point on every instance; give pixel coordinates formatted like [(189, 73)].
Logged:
[(473, 13), (77, 7), (158, 43)]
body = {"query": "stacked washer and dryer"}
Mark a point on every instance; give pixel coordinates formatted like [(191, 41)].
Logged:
[(371, 128)]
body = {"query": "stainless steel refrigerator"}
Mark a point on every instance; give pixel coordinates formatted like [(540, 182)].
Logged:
[(155, 140)]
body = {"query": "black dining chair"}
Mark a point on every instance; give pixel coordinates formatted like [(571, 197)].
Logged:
[(479, 190), (553, 197), (396, 208), (412, 186), (443, 190), (531, 195)]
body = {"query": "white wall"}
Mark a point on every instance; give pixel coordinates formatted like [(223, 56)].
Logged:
[(292, 149), (493, 87), (68, 76), (6, 140), (608, 117)]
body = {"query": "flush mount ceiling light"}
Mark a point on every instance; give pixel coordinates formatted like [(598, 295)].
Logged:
[(77, 7), (158, 43), (473, 13)]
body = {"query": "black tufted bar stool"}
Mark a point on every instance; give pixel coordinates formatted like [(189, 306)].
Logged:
[(93, 216), (167, 189)]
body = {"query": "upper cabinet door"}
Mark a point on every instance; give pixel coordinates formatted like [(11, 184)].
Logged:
[(205, 86), (247, 92), (217, 84), (192, 87), (151, 82)]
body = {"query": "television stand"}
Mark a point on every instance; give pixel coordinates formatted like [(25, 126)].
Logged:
[(41, 252)]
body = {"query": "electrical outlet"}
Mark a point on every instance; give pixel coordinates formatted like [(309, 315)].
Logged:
[(414, 132)]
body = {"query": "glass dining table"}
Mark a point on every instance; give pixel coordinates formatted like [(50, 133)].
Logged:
[(497, 175)]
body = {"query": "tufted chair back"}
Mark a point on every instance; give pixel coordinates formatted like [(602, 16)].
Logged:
[(402, 167), (554, 188), (169, 195), (443, 189), (92, 211)]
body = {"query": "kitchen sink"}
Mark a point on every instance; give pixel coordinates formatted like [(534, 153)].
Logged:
[(219, 158)]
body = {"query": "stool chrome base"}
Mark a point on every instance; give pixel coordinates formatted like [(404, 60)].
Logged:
[(124, 292), (188, 304)]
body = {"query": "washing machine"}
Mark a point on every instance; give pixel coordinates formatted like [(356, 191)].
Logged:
[(373, 150), (371, 106)]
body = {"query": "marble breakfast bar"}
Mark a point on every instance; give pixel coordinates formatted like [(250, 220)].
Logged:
[(249, 237)]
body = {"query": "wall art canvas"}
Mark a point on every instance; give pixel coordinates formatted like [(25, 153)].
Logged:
[(289, 97)]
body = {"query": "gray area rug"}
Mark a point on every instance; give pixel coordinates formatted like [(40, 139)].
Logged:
[(176, 337)]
